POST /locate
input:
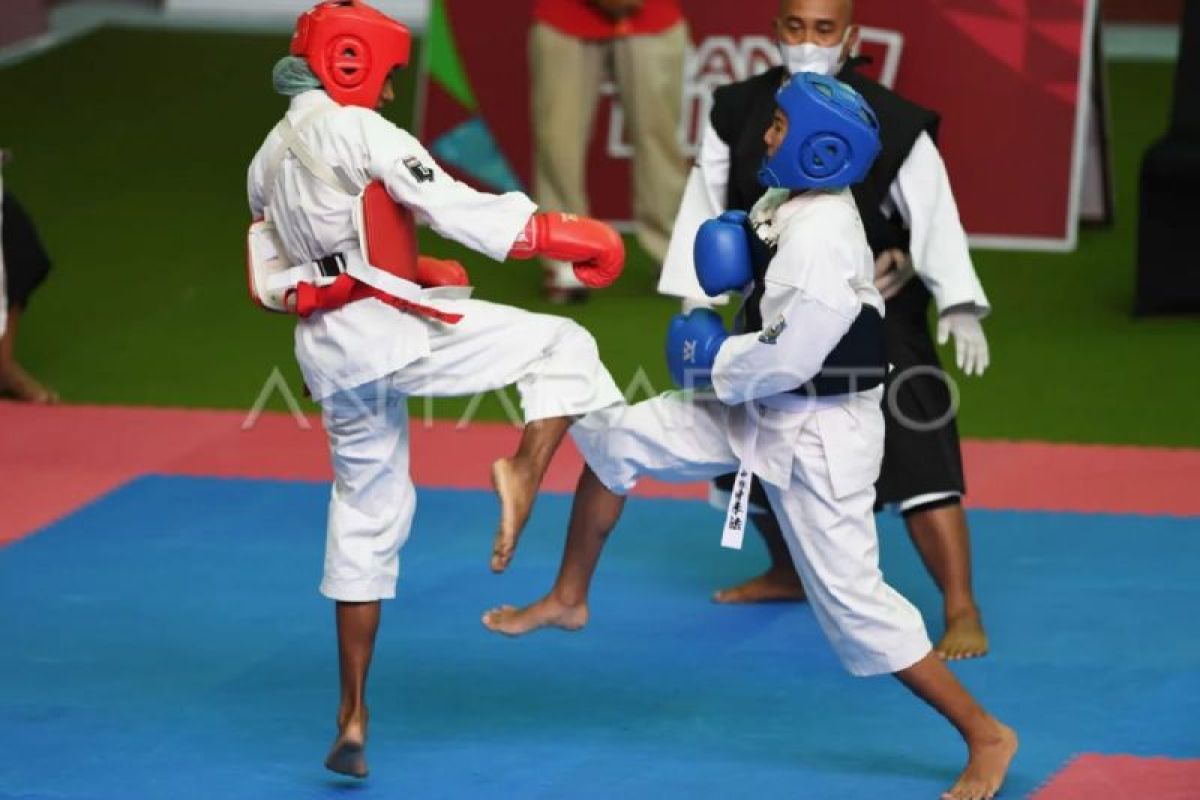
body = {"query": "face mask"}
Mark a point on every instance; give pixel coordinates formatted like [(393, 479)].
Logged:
[(809, 57)]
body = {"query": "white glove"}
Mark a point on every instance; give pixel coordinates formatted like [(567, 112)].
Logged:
[(893, 270), (970, 345)]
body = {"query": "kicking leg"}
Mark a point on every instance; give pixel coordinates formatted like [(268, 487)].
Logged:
[(940, 536), (517, 479), (357, 624), (991, 744), (593, 516), (556, 368), (779, 583), (671, 437), (565, 382)]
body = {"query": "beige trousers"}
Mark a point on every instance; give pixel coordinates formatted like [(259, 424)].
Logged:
[(567, 74)]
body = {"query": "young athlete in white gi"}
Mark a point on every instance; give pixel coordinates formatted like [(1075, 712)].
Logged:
[(816, 449), (335, 189), (908, 208)]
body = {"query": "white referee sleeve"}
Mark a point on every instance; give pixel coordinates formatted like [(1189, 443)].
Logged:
[(940, 253), (703, 199)]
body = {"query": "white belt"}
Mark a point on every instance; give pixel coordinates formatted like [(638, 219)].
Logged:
[(737, 512), (739, 498)]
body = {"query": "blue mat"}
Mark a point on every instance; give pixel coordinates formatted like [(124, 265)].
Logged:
[(168, 642)]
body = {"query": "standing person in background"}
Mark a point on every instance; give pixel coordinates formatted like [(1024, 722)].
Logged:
[(913, 227), (645, 42), (24, 264)]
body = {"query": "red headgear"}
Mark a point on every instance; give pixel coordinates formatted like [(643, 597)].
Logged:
[(351, 48)]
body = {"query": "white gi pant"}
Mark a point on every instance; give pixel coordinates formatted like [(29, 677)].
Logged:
[(818, 465), (556, 367)]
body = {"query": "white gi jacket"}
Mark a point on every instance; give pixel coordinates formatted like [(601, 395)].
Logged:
[(816, 286), (920, 194), (366, 340)]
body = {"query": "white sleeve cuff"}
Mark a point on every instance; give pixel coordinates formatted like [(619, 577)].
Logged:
[(940, 252)]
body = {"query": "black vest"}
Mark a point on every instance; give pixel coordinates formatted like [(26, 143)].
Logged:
[(858, 362), (742, 112)]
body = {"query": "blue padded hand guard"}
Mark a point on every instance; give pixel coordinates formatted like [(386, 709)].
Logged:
[(692, 345), (722, 254)]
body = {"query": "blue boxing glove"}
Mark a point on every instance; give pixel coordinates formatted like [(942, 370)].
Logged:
[(693, 341), (722, 254)]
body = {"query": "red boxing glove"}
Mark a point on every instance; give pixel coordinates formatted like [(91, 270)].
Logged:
[(433, 272), (596, 249)]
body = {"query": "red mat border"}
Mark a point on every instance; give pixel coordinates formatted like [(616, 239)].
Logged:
[(1093, 776), (55, 459)]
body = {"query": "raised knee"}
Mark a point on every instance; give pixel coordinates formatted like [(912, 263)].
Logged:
[(578, 340)]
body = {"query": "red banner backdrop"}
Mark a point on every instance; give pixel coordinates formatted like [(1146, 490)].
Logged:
[(22, 19), (1010, 77)]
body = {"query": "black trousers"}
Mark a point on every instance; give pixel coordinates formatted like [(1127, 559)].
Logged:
[(26, 263)]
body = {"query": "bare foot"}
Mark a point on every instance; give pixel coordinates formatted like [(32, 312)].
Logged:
[(776, 585), (545, 613), (348, 756), (516, 487), (15, 382), (964, 637), (987, 764)]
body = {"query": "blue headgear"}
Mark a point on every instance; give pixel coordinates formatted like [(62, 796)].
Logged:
[(832, 138)]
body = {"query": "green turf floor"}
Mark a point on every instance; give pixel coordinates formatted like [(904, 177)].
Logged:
[(131, 153)]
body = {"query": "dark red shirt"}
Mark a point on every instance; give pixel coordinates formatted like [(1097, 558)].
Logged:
[(583, 20)]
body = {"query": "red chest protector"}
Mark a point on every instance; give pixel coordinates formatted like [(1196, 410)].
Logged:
[(386, 266), (388, 233)]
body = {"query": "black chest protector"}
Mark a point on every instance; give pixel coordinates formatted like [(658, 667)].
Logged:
[(858, 362)]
